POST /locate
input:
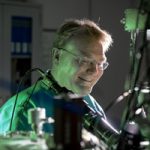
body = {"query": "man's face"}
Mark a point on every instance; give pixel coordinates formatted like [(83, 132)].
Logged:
[(77, 68)]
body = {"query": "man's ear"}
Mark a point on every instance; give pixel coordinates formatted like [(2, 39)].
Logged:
[(56, 54)]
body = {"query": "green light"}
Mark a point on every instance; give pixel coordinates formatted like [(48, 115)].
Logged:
[(134, 20)]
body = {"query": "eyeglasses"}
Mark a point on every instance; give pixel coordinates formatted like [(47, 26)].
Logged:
[(84, 61)]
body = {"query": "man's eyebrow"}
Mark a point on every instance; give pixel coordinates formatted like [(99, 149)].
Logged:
[(103, 59), (92, 59)]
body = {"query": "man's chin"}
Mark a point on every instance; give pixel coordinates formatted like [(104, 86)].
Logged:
[(83, 92)]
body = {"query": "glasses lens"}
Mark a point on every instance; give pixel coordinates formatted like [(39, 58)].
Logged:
[(105, 65)]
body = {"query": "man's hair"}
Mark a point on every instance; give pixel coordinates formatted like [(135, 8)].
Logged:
[(81, 27)]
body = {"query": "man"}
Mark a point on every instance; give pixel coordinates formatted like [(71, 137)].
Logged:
[(78, 62)]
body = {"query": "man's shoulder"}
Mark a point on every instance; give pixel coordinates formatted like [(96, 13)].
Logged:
[(17, 98)]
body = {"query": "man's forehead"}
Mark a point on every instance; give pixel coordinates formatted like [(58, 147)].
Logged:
[(84, 46)]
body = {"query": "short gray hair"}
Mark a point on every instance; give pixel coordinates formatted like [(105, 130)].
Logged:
[(76, 27)]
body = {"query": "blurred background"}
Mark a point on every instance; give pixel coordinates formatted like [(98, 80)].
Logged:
[(27, 29)]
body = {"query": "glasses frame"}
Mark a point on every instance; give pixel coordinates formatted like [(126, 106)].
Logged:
[(104, 64)]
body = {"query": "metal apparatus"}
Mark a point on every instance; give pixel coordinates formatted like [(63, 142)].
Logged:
[(137, 22), (37, 117)]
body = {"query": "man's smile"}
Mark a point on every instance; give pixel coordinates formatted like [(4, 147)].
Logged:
[(83, 79)]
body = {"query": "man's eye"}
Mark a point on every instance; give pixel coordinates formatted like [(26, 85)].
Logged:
[(80, 61), (100, 64), (83, 61)]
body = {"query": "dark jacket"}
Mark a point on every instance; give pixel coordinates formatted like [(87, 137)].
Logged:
[(41, 94)]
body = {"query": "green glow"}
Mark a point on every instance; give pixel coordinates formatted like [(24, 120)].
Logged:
[(134, 20)]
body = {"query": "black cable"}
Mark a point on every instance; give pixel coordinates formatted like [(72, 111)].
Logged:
[(131, 99), (30, 95), (119, 99), (17, 93)]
